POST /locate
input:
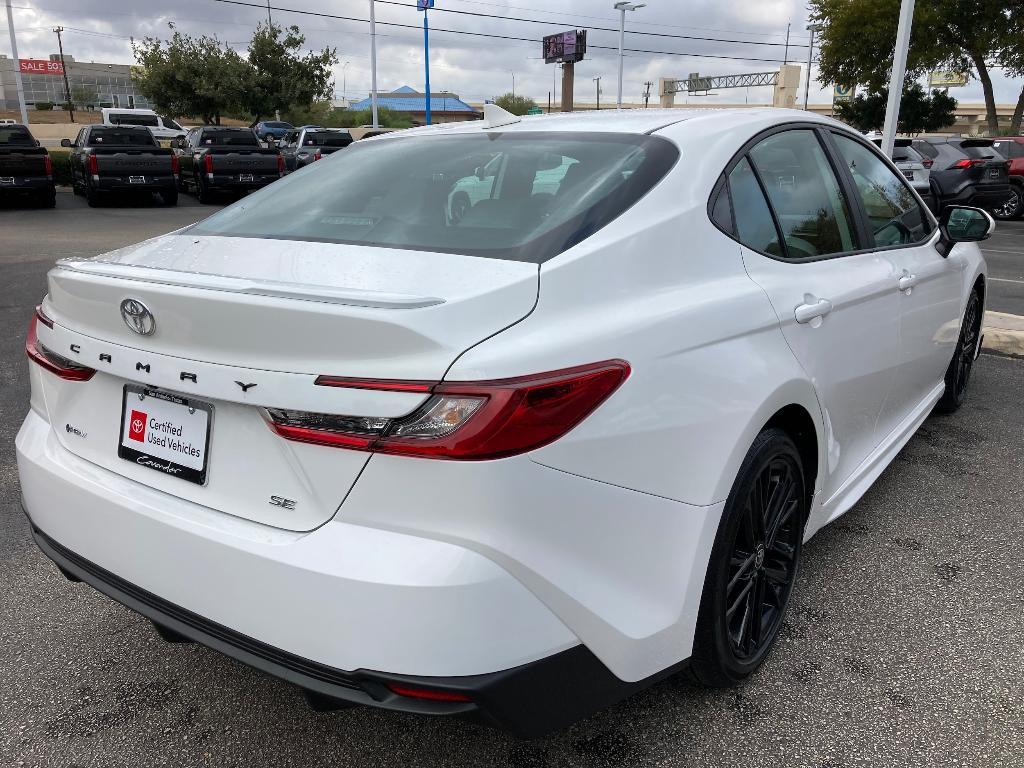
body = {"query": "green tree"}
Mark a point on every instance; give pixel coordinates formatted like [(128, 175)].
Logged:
[(857, 40), (280, 79), (84, 96), (919, 111), (191, 76), (517, 105), (1012, 58)]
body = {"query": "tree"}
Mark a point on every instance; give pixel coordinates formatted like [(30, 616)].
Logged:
[(919, 111), (857, 40), (279, 78), (1012, 58), (517, 105), (84, 96), (189, 76)]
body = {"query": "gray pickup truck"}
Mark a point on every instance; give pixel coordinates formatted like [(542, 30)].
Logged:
[(127, 159), (300, 147), (25, 167), (219, 159)]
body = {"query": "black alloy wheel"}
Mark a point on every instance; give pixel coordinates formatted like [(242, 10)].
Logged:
[(958, 375), (754, 563), (1012, 208)]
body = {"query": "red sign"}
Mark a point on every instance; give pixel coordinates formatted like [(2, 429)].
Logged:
[(40, 67), (137, 426)]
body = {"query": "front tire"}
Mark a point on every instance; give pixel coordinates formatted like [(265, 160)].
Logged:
[(754, 562), (958, 374)]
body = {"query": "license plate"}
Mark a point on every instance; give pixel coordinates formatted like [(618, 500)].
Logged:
[(909, 175), (245, 177), (165, 432), (9, 180), (993, 173), (136, 179)]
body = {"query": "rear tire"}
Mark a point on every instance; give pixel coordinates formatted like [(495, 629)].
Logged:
[(203, 194), (958, 374), (1013, 208), (92, 195), (754, 563)]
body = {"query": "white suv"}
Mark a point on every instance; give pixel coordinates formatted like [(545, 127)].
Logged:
[(513, 464)]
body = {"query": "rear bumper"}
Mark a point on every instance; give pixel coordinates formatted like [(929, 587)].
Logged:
[(979, 195), (122, 184), (529, 700), (21, 184), (232, 182)]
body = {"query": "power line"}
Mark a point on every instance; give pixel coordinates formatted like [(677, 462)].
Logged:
[(492, 35)]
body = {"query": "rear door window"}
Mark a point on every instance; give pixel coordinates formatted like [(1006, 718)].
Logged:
[(755, 226), (805, 195)]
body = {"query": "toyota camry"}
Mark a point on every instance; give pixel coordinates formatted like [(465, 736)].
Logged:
[(506, 419)]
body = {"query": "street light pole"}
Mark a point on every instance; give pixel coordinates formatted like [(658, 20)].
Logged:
[(622, 8), (17, 65), (597, 85), (899, 70), (344, 82), (373, 66), (810, 58)]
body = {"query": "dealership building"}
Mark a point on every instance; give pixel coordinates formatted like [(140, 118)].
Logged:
[(108, 85)]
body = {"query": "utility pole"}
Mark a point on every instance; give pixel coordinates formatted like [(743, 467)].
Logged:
[(67, 87), (373, 66), (270, 21), (810, 58), (17, 65), (597, 82), (647, 93), (622, 8), (899, 70), (423, 6), (785, 57)]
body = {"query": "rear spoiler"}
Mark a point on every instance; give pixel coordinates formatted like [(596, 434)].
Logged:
[(897, 143), (976, 142)]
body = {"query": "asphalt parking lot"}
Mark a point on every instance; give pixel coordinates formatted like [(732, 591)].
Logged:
[(902, 648)]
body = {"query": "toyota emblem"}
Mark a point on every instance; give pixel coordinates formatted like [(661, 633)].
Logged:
[(137, 316)]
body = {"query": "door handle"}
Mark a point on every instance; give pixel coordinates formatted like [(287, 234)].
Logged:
[(805, 313), (907, 281)]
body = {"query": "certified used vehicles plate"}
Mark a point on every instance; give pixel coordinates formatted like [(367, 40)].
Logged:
[(245, 177), (136, 179), (165, 432), (6, 180)]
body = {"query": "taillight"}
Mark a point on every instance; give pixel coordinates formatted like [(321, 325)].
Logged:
[(208, 164), (174, 165), (317, 155), (927, 162), (280, 164), (51, 361), (463, 420), (966, 163), (94, 166), (49, 166)]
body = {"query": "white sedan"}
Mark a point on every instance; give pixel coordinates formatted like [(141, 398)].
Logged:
[(511, 464)]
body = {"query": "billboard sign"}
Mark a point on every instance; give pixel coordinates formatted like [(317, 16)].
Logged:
[(422, 5), (40, 67), (565, 46), (843, 93), (945, 79)]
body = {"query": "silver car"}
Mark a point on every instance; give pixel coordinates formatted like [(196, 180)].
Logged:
[(912, 164)]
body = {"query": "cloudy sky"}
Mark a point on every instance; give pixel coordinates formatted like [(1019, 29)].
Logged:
[(475, 67)]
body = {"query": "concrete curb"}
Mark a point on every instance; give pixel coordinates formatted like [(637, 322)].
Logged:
[(1004, 333)]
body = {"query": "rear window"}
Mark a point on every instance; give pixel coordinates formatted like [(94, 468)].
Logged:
[(275, 124), (327, 139), (130, 119), (518, 196), (102, 137), (15, 136), (906, 155), (974, 149), (239, 138), (172, 124)]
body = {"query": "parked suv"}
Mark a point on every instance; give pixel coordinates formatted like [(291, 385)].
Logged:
[(965, 171), (271, 129), (1012, 148)]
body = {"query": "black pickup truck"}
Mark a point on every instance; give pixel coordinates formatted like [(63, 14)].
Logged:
[(123, 158), (25, 167), (219, 159), (300, 147)]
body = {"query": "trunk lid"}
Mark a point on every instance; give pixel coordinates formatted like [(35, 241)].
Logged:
[(23, 162), (132, 162), (245, 324), (232, 160)]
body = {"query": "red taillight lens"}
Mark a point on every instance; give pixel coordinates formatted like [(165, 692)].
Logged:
[(94, 166), (468, 421), (51, 361), (927, 162), (174, 165), (208, 163), (280, 165), (317, 155), (967, 163), (428, 694), (49, 166)]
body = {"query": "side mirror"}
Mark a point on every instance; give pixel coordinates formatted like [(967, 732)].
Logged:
[(480, 173), (66, 143), (963, 224)]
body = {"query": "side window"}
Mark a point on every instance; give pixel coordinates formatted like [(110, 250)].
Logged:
[(926, 149), (893, 211), (804, 193), (754, 225), (80, 138), (721, 208)]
